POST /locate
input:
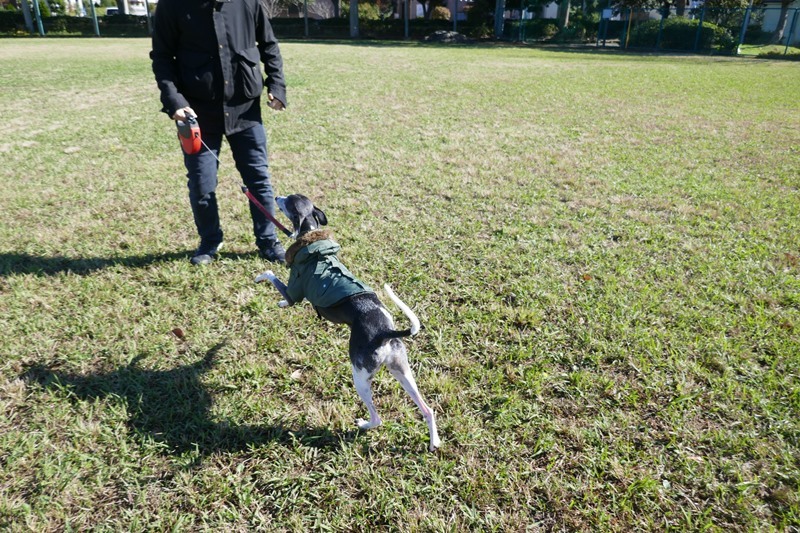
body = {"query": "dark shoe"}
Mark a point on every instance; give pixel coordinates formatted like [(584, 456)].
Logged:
[(272, 251), (205, 253)]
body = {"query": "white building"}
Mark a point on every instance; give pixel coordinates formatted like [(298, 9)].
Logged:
[(772, 13)]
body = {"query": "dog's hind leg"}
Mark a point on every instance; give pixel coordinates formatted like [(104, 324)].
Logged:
[(402, 372), (363, 382)]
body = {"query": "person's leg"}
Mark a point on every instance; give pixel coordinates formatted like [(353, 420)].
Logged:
[(201, 173), (249, 150)]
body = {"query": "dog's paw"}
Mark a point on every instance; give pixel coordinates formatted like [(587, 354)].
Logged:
[(269, 275), (283, 303), (365, 424)]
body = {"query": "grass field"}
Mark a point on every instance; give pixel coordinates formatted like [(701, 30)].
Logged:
[(604, 250), (774, 50)]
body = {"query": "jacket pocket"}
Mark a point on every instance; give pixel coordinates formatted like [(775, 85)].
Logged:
[(196, 75), (247, 73)]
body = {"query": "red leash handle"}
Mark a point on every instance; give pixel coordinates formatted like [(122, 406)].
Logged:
[(266, 213)]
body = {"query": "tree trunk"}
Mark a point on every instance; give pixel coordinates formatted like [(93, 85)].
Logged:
[(680, 8), (26, 14), (665, 9), (499, 22), (781, 27), (354, 19), (564, 8)]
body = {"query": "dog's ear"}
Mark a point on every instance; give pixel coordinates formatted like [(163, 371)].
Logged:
[(320, 217)]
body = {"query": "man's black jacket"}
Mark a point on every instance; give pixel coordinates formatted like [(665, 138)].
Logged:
[(206, 55)]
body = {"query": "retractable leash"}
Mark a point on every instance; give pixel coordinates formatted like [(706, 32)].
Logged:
[(266, 213), (189, 135), (192, 142)]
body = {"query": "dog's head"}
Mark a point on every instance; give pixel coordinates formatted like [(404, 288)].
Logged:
[(305, 216)]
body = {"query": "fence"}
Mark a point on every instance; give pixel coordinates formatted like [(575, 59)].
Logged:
[(13, 23), (751, 31)]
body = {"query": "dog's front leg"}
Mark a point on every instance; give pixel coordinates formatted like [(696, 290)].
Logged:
[(269, 275)]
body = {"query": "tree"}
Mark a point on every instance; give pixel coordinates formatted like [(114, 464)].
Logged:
[(563, 13), (780, 29), (271, 7), (354, 19), (323, 8), (26, 14), (428, 5)]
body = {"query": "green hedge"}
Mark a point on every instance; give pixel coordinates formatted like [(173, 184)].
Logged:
[(367, 28), (530, 30), (12, 23), (678, 33)]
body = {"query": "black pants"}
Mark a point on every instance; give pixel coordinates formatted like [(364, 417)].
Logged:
[(249, 150)]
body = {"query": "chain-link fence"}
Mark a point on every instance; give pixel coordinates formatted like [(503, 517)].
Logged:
[(93, 23), (760, 31), (296, 26)]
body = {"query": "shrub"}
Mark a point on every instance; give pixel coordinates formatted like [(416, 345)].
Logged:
[(369, 12), (780, 55), (587, 24), (11, 22), (549, 30), (539, 29), (481, 31), (568, 35), (679, 33), (44, 9), (440, 13)]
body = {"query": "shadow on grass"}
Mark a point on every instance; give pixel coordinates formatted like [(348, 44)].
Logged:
[(14, 263), (17, 263), (172, 407)]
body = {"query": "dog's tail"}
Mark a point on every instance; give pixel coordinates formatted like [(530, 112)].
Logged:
[(406, 310)]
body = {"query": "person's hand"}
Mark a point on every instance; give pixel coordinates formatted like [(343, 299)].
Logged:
[(274, 103), (184, 113)]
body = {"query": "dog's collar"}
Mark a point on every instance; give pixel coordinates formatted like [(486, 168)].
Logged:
[(304, 240)]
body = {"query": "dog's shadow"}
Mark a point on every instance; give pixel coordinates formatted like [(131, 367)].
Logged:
[(172, 407)]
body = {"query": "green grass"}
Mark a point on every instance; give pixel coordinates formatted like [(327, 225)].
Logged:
[(768, 50), (603, 248)]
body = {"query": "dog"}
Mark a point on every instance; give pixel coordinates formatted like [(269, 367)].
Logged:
[(317, 276)]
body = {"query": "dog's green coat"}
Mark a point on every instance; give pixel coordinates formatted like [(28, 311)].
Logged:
[(317, 274)]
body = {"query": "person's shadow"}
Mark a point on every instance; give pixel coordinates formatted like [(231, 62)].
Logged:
[(22, 263), (172, 407)]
